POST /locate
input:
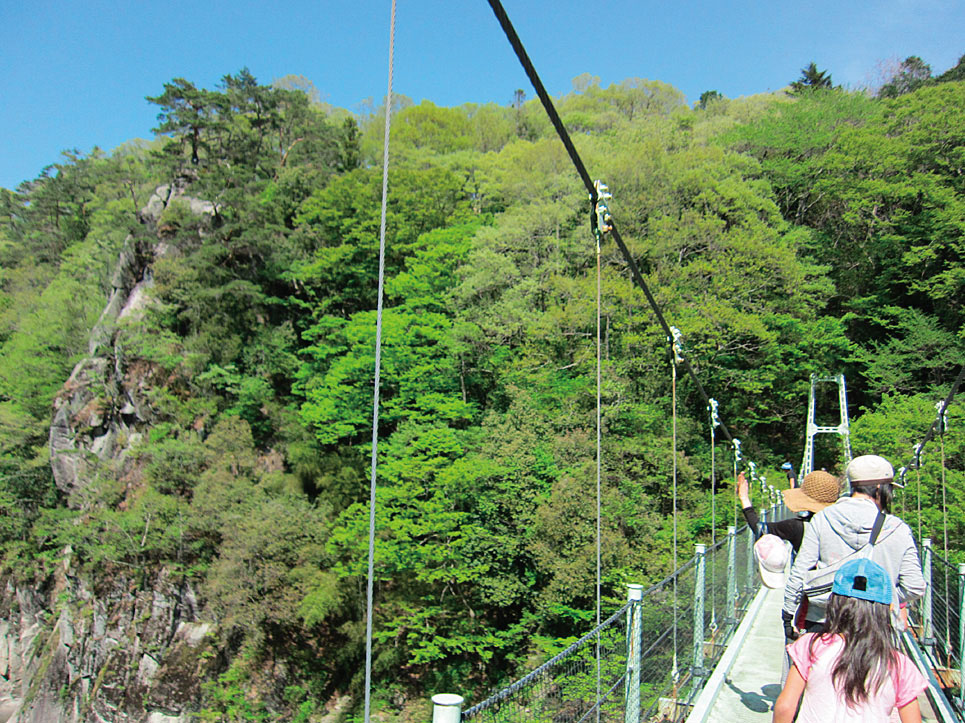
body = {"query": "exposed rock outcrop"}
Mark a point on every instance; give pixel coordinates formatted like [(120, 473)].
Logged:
[(133, 650), (128, 654), (102, 410)]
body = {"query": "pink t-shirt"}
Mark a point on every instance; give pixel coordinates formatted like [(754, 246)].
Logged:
[(821, 703)]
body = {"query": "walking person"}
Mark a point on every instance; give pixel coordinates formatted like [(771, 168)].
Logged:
[(818, 490), (853, 672), (846, 526)]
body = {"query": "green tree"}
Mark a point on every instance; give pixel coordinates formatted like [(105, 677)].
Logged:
[(911, 75), (188, 113), (708, 97), (953, 74), (811, 79)]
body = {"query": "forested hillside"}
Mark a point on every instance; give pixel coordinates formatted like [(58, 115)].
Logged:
[(782, 234)]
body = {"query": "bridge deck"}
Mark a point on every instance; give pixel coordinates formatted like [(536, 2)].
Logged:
[(753, 682)]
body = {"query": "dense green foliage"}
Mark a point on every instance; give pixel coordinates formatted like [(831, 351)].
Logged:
[(783, 236)]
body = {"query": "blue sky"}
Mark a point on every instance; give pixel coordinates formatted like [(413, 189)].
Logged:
[(74, 74)]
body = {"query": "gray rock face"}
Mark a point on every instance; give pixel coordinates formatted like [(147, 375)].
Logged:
[(102, 411), (109, 657), (135, 651)]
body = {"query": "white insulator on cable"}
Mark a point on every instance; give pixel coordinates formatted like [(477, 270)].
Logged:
[(916, 462), (678, 341), (712, 406), (942, 419)]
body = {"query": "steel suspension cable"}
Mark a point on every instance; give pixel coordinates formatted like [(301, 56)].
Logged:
[(915, 462), (712, 408), (713, 528), (918, 490), (941, 439), (736, 472), (943, 407), (737, 460), (554, 117), (378, 364), (599, 456), (673, 385)]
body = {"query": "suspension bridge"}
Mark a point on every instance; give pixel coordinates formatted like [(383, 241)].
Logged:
[(706, 643), (728, 660)]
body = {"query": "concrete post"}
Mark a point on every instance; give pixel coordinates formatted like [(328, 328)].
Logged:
[(731, 617), (700, 597), (928, 626), (631, 697), (446, 708)]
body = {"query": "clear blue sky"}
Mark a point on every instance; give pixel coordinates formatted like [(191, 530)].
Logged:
[(74, 74)]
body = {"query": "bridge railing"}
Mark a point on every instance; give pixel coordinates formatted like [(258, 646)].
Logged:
[(938, 625), (655, 653)]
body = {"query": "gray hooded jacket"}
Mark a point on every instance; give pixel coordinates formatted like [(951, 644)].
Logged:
[(839, 530)]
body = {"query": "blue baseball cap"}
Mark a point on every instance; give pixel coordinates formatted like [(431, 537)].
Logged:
[(865, 580)]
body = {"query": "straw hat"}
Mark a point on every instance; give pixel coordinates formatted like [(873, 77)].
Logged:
[(818, 490)]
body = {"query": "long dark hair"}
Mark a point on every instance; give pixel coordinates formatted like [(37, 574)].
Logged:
[(882, 493), (870, 645)]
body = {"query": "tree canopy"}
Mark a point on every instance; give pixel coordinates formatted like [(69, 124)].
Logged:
[(784, 236), (811, 79)]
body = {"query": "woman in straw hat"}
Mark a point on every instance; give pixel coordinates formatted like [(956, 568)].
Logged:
[(817, 491)]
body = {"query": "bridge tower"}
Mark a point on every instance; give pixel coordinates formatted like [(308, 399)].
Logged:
[(813, 429)]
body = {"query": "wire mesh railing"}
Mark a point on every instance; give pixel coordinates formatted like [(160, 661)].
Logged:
[(938, 626), (564, 688), (656, 652)]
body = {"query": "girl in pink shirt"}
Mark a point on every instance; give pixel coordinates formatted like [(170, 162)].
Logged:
[(853, 672)]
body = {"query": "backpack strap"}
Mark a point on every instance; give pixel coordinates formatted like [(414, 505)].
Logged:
[(879, 523)]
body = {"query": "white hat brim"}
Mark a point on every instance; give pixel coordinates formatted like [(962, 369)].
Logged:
[(771, 579)]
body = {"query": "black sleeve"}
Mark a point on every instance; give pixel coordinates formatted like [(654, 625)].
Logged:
[(753, 521), (791, 530)]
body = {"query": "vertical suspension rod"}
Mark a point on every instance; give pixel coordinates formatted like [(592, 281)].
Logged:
[(369, 596)]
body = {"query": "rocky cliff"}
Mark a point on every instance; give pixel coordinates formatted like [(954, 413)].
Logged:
[(133, 649)]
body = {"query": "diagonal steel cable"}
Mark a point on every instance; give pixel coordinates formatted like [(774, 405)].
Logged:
[(554, 117)]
